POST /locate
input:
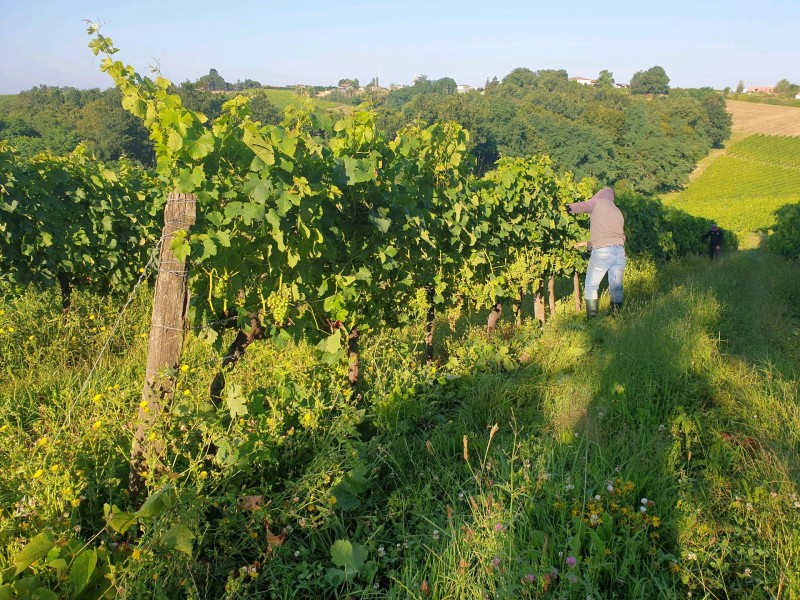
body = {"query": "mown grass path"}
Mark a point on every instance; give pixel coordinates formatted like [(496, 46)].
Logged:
[(692, 394)]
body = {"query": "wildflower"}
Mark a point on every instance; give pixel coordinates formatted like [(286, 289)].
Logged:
[(747, 572), (38, 473), (203, 474), (661, 427), (655, 521), (381, 551), (97, 425), (691, 556), (42, 441), (184, 368), (143, 404), (530, 578), (594, 519), (435, 535), (496, 561), (571, 578), (311, 508), (597, 497), (569, 487), (643, 509), (332, 500), (610, 488), (76, 502), (571, 561), (187, 393), (500, 527), (136, 555), (644, 501), (296, 553)]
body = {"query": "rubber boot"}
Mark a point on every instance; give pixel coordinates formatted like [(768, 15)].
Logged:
[(616, 307), (591, 308)]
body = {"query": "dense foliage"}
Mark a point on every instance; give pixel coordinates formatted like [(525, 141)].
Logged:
[(785, 236), (73, 219), (635, 143)]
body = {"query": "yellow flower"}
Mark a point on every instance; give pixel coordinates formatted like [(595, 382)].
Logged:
[(97, 397), (184, 368), (152, 436), (311, 508), (136, 555), (332, 499), (55, 468), (31, 338), (187, 393), (38, 474), (143, 335), (10, 330), (91, 317), (42, 441), (203, 474), (143, 404), (97, 424)]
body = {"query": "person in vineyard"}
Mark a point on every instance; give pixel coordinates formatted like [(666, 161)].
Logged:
[(607, 244), (714, 236)]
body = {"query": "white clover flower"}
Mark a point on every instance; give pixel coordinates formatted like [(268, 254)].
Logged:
[(610, 488), (691, 556), (644, 500), (643, 509), (597, 496)]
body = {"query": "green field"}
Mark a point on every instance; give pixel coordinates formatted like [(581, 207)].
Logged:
[(285, 97), (742, 188)]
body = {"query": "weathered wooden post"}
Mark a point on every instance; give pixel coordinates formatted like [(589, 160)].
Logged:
[(551, 294), (166, 338)]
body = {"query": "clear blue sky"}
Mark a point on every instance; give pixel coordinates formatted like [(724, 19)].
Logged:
[(698, 42)]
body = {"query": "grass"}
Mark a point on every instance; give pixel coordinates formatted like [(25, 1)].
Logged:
[(517, 466)]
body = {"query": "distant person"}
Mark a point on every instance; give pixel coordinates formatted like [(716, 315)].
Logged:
[(607, 243), (714, 236)]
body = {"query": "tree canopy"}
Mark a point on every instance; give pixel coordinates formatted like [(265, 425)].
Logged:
[(652, 81)]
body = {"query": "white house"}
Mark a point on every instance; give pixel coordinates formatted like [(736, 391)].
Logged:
[(797, 96), (463, 87), (583, 80)]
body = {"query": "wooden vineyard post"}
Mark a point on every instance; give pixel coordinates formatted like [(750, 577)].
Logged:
[(166, 338), (551, 294), (576, 285), (538, 306)]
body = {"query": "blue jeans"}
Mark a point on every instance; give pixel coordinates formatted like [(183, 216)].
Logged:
[(611, 260)]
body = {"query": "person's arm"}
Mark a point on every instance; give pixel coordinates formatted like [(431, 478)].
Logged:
[(705, 235), (582, 207)]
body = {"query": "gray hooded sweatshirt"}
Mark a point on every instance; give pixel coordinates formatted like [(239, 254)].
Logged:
[(606, 222)]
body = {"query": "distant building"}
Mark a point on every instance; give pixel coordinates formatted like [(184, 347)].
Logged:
[(583, 80), (760, 89), (622, 86), (797, 96), (462, 88)]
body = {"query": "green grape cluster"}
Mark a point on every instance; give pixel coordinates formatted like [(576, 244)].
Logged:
[(278, 305), (419, 304)]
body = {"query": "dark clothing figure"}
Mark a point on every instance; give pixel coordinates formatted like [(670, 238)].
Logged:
[(714, 236)]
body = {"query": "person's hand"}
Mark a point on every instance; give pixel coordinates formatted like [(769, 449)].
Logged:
[(569, 209)]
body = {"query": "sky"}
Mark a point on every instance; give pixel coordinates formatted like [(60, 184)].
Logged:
[(315, 42)]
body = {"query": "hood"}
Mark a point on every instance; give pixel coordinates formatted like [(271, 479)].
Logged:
[(605, 194)]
